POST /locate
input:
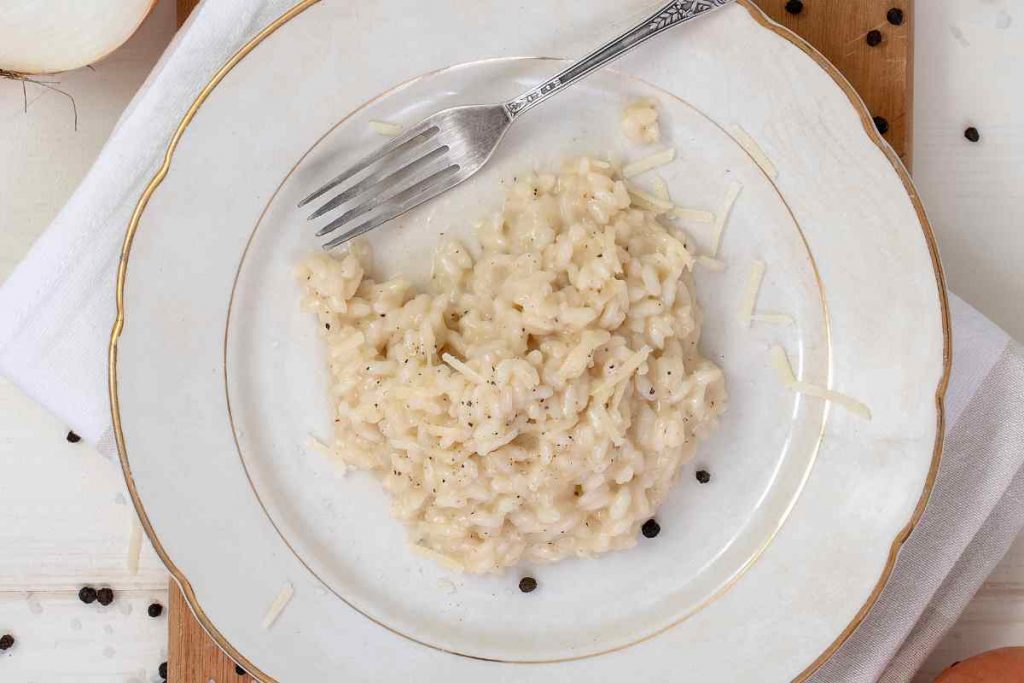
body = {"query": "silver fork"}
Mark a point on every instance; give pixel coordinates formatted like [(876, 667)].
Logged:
[(447, 148)]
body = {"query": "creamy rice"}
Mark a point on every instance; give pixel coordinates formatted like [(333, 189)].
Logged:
[(537, 404), (640, 121)]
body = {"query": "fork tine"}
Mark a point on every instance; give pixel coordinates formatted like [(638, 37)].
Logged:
[(379, 181), (393, 194), (431, 186), (412, 137)]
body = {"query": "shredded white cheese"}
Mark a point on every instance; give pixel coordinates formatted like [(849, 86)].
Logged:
[(460, 367), (722, 217), (711, 263), (649, 163), (441, 559), (134, 545), (755, 151), (276, 607), (781, 362), (624, 371), (749, 299), (648, 200), (662, 204), (661, 189), (695, 215), (384, 128), (772, 318)]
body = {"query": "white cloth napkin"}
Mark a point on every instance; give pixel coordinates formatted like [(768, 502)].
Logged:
[(57, 308)]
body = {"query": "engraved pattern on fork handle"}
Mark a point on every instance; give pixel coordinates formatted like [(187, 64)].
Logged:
[(673, 13)]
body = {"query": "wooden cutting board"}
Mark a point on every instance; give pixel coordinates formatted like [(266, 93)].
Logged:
[(882, 74)]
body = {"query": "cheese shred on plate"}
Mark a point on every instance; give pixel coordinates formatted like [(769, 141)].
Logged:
[(649, 163), (694, 215), (660, 205), (754, 150), (276, 607), (384, 128), (648, 200), (749, 300), (781, 362), (722, 217), (661, 189)]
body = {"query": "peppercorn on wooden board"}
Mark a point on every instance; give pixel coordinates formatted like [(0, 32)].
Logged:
[(880, 70)]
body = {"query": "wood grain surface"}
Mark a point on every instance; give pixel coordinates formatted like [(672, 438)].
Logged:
[(882, 74), (191, 655), (185, 8)]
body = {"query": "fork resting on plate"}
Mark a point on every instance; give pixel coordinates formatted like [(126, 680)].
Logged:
[(447, 148)]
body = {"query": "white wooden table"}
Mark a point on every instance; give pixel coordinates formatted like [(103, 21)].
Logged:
[(64, 519)]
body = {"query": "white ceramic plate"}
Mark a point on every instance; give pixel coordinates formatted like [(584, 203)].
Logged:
[(217, 377)]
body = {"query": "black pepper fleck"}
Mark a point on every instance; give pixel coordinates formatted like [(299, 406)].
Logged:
[(105, 596), (882, 124), (6, 641), (972, 134), (703, 476), (527, 584), (650, 529), (87, 595), (873, 38), (155, 610), (162, 670), (894, 16), (239, 670), (795, 6), (72, 437)]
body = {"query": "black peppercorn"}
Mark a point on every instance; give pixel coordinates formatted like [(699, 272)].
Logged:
[(882, 124), (239, 670), (105, 596), (527, 584), (650, 529), (795, 6), (155, 610), (894, 16), (874, 37), (73, 438), (162, 670), (703, 476), (6, 641), (87, 595), (972, 134)]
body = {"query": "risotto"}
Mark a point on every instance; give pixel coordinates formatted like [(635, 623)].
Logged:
[(539, 401)]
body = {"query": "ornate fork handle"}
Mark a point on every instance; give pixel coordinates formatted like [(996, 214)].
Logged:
[(676, 12)]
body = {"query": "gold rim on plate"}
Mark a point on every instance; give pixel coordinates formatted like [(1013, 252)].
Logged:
[(763, 20)]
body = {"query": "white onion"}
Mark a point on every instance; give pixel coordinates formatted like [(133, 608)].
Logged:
[(47, 36)]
